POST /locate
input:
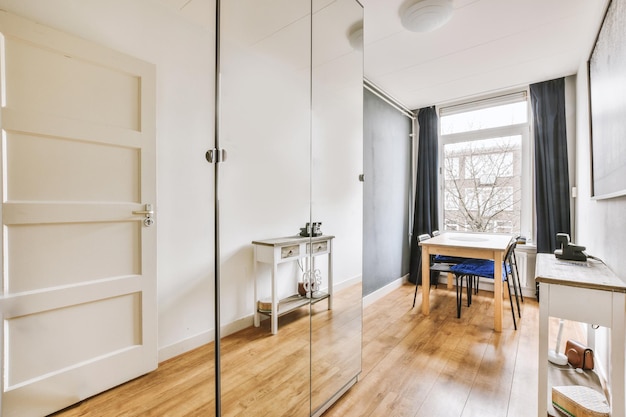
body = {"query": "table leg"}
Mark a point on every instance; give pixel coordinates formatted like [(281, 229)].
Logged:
[(425, 281), (616, 366), (330, 274), (497, 291), (257, 316), (450, 279), (542, 382), (274, 317)]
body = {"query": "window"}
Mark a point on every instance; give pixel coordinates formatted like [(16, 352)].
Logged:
[(486, 179), (452, 166)]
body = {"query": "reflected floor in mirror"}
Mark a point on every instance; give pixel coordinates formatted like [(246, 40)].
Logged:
[(412, 366), (270, 375)]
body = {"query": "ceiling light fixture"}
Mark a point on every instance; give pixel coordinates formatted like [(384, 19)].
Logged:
[(355, 36), (425, 15)]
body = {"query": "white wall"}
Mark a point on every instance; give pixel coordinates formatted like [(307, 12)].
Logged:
[(600, 224), (183, 53)]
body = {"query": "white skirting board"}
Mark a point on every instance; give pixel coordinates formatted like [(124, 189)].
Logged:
[(380, 293), (195, 341)]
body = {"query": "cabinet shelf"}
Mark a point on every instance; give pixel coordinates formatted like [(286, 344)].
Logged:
[(293, 302), (567, 375)]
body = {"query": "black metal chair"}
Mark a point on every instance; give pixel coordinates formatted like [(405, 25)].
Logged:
[(445, 258), (474, 269), (438, 267), (519, 283), (514, 275)]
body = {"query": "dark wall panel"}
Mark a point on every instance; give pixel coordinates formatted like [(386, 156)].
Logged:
[(387, 170)]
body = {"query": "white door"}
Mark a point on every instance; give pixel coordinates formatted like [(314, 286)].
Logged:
[(78, 299)]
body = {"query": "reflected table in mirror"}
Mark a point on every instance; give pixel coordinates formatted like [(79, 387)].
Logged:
[(290, 249)]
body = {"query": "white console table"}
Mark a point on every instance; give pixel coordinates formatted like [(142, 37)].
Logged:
[(289, 249), (586, 292)]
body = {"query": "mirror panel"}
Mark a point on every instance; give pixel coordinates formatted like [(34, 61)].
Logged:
[(337, 194), (264, 194), (291, 122)]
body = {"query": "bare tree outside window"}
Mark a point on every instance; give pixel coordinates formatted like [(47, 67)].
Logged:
[(485, 165), (482, 185)]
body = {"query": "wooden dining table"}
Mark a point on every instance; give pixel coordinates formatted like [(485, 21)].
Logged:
[(467, 245)]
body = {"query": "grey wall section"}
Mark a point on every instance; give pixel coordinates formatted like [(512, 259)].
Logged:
[(387, 170)]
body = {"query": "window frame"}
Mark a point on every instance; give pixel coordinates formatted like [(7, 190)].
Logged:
[(521, 129)]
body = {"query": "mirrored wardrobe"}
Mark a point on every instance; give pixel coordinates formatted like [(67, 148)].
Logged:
[(289, 197), (106, 107)]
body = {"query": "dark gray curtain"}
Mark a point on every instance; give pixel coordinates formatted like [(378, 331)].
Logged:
[(425, 214), (551, 167)]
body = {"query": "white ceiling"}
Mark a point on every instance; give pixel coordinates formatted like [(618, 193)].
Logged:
[(487, 46)]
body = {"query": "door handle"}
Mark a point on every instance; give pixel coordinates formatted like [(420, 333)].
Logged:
[(147, 212)]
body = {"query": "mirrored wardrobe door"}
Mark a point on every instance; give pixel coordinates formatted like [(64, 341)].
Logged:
[(337, 196), (265, 61)]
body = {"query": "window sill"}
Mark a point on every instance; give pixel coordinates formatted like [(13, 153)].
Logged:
[(526, 247)]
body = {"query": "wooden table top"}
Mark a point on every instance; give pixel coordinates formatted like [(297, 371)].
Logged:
[(488, 241), (291, 240), (590, 274)]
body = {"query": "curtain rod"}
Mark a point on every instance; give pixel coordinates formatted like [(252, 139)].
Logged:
[(373, 88)]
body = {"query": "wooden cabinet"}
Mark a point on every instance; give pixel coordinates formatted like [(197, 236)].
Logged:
[(587, 292)]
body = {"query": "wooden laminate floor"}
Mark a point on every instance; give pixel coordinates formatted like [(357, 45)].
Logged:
[(411, 366)]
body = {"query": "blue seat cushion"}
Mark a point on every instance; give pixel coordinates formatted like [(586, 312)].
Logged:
[(449, 259), (479, 267)]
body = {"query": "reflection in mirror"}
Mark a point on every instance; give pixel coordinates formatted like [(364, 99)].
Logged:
[(337, 195), (291, 122), (264, 194)]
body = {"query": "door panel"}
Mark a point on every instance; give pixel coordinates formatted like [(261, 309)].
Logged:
[(114, 171), (106, 249), (82, 87), (79, 267), (71, 335)]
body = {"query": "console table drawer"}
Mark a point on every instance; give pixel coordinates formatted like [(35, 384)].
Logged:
[(317, 247), (289, 251), (599, 304)]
